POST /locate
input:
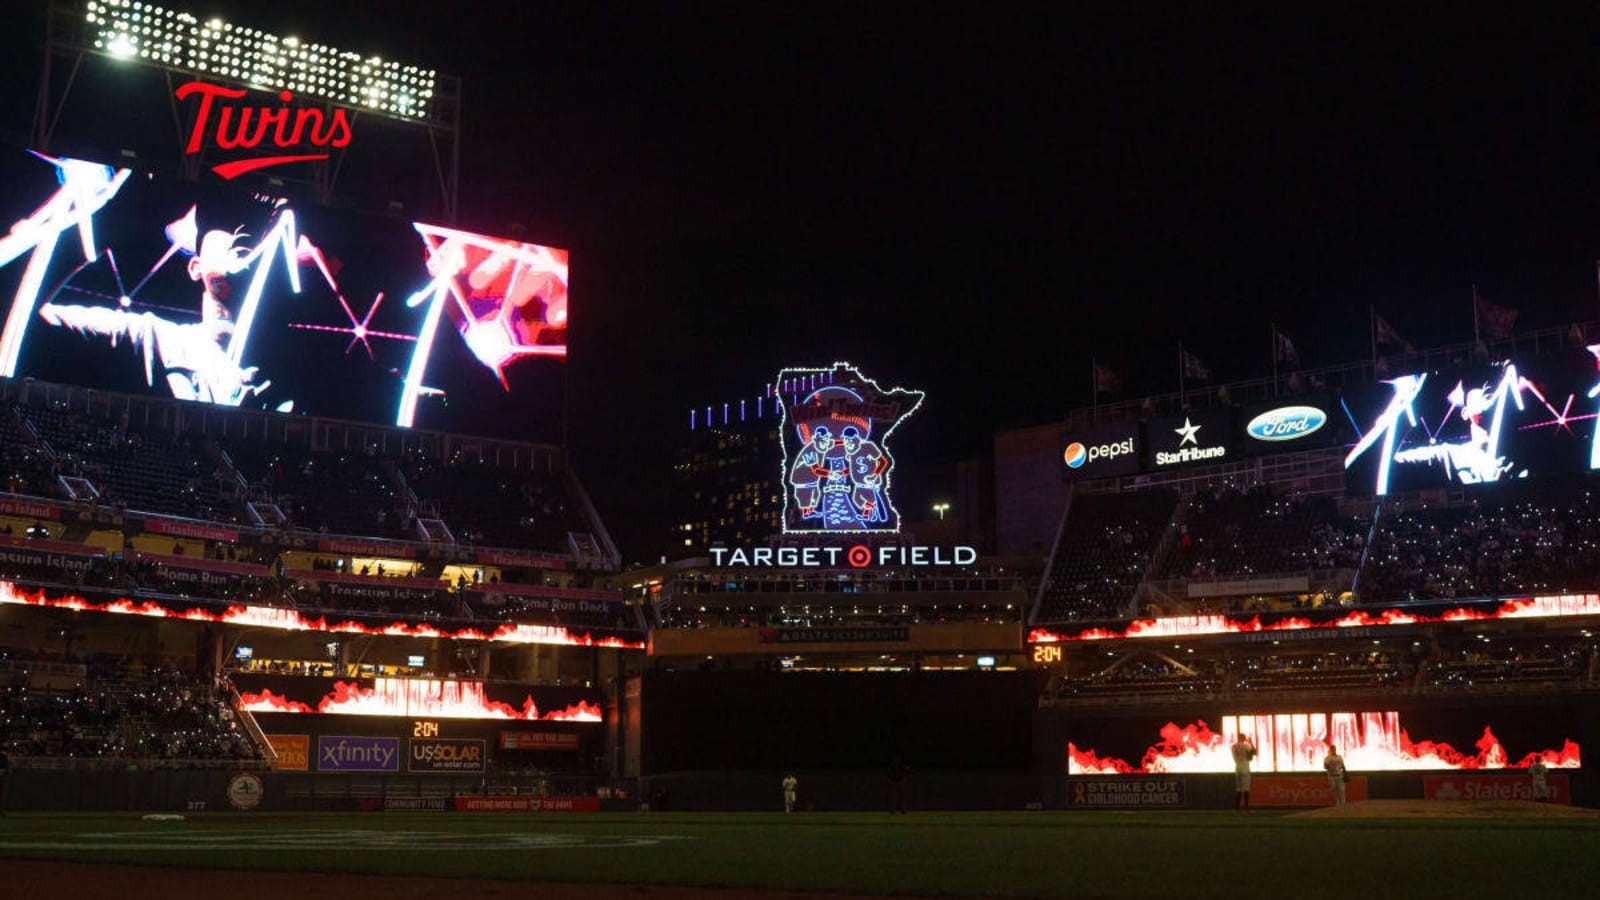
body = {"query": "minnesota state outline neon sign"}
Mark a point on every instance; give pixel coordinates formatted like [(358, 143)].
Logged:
[(837, 468)]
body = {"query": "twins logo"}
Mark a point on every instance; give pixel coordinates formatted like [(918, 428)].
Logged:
[(838, 472)]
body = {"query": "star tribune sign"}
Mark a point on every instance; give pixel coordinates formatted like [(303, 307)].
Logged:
[(837, 469), (1192, 446)]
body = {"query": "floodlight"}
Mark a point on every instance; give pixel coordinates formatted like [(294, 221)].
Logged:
[(151, 32)]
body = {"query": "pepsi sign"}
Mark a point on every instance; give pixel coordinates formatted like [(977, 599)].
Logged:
[(1078, 454), (1286, 423), (1101, 452)]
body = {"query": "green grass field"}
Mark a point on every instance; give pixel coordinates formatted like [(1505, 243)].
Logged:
[(1041, 854)]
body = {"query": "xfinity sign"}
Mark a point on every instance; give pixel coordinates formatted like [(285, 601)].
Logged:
[(1286, 423)]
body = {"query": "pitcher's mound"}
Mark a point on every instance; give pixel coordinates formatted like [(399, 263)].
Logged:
[(1449, 809)]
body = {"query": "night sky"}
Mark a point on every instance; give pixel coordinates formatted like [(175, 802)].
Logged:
[(974, 200)]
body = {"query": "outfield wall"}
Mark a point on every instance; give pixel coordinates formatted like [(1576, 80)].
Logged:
[(208, 790), (743, 721)]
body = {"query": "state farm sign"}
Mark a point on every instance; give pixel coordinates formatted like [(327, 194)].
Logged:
[(1493, 787)]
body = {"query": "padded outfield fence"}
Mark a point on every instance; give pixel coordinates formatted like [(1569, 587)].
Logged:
[(97, 788)]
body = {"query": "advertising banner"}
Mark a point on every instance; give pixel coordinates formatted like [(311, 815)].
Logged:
[(871, 634), (184, 528), (1203, 436), (27, 509), (552, 600), (362, 547), (446, 755), (410, 804), (16, 555), (527, 804), (1295, 423), (294, 751), (538, 740), (1105, 451), (337, 753), (512, 559), (1493, 787), (1307, 790), (1127, 793)]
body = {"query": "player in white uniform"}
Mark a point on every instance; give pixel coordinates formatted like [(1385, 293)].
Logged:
[(791, 786), (1243, 753), (1333, 764), (1537, 772)]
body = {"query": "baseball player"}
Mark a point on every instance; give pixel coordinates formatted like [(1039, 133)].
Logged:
[(1537, 772), (1333, 764), (1243, 753), (791, 786)]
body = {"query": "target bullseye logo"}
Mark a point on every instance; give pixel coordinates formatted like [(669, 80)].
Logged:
[(859, 556)]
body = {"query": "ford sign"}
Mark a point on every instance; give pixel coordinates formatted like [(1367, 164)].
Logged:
[(1286, 423)]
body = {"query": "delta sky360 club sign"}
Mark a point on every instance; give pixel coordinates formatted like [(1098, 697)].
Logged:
[(835, 438)]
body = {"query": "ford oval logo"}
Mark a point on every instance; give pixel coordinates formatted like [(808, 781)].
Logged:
[(1286, 423)]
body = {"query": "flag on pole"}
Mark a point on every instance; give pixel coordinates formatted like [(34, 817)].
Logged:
[(1191, 365), (1284, 350), (1384, 333), (1105, 380), (1496, 319)]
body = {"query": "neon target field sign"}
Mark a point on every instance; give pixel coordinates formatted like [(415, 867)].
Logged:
[(837, 468)]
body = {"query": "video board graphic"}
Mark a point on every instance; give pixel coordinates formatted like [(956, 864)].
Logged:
[(837, 468), (130, 282), (1475, 424), (1298, 742)]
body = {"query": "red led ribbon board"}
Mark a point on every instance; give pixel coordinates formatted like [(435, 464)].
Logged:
[(429, 698), (1198, 626), (1297, 743), (284, 619)]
